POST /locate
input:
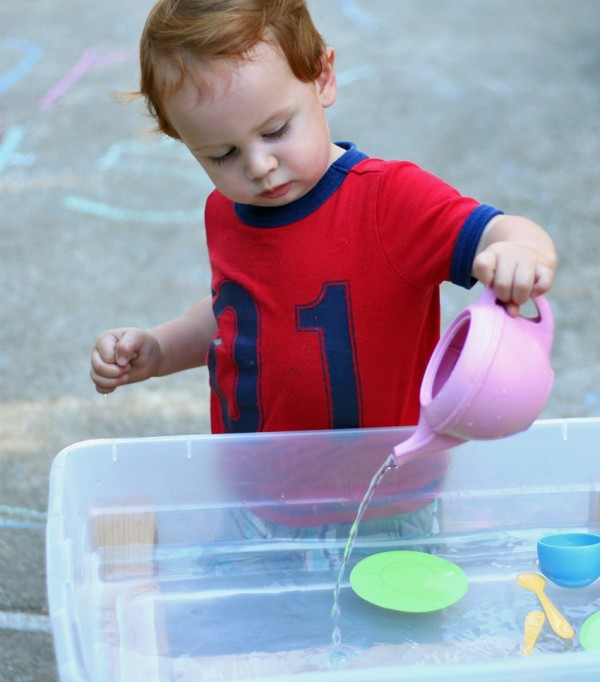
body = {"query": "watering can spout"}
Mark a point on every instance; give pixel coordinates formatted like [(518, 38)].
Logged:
[(423, 440)]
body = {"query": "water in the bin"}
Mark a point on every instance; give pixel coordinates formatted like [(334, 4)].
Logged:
[(216, 605), (390, 463), (259, 599)]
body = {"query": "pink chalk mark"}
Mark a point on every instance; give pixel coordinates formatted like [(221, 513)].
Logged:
[(115, 57), (84, 64), (90, 59)]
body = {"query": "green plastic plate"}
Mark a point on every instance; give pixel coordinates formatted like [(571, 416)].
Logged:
[(589, 635), (414, 582)]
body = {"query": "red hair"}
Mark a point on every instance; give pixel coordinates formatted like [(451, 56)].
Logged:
[(181, 35)]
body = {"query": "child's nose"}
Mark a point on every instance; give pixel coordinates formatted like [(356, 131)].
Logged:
[(259, 163)]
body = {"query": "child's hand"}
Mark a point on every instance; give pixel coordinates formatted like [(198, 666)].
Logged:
[(518, 259), (124, 356)]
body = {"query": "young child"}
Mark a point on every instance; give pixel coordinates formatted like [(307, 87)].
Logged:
[(326, 264)]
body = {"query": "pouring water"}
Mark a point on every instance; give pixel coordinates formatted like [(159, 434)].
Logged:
[(488, 377), (390, 463)]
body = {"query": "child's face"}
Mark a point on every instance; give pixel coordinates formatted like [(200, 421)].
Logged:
[(259, 133)]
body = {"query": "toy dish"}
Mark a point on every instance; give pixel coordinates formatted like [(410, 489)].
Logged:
[(413, 582), (589, 635)]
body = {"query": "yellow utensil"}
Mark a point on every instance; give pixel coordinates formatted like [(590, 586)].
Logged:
[(534, 621), (536, 583)]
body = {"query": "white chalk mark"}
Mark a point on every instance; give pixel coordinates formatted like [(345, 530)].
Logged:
[(24, 622), (123, 214)]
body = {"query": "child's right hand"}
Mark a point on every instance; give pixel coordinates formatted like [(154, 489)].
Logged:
[(124, 356)]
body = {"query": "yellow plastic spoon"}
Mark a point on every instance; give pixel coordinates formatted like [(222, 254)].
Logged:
[(536, 583), (534, 621)]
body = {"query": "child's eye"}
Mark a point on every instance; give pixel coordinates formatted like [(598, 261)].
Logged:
[(280, 132), (228, 156)]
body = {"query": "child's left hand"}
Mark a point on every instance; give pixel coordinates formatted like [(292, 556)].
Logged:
[(517, 258)]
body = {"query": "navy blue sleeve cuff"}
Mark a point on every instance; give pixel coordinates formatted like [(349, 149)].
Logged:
[(466, 245)]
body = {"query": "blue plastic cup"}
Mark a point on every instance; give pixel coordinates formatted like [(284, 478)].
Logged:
[(570, 559)]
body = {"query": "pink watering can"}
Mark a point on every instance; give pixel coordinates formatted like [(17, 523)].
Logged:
[(489, 376)]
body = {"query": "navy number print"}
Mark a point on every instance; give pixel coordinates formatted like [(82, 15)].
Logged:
[(246, 415), (330, 316)]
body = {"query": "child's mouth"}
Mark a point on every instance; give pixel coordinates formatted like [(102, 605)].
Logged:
[(276, 192)]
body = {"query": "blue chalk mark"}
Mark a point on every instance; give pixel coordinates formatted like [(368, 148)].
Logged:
[(32, 55), (8, 149), (592, 400), (18, 517), (123, 214), (111, 157), (7, 523), (135, 157), (122, 149)]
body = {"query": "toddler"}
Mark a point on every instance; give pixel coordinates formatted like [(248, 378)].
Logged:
[(326, 263)]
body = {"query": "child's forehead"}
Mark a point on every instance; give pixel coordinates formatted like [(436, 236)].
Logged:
[(214, 77)]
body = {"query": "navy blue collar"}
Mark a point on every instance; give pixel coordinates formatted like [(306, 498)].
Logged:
[(278, 216)]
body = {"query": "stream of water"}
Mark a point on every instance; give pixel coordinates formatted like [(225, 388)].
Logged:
[(390, 463)]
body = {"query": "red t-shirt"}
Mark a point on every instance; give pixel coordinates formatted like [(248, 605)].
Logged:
[(328, 311), (329, 319)]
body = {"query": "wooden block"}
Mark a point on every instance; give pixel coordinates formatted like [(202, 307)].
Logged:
[(125, 542)]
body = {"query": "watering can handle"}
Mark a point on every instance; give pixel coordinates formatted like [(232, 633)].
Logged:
[(544, 322)]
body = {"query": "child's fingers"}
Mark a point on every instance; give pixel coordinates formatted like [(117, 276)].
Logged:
[(502, 274), (123, 356), (105, 367), (127, 346), (118, 346), (515, 277), (110, 369), (104, 349), (543, 281), (484, 267), (519, 283), (106, 375)]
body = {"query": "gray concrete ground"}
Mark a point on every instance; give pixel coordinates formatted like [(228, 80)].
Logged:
[(101, 223)]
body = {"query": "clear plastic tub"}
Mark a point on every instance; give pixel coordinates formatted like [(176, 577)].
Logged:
[(157, 569)]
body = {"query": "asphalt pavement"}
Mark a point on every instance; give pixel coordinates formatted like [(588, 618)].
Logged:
[(102, 221)]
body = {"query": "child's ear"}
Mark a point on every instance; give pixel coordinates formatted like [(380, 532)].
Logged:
[(326, 82)]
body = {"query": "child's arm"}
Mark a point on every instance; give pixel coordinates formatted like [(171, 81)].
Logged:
[(127, 355), (517, 257)]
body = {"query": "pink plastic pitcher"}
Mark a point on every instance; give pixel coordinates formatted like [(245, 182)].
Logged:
[(489, 376)]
